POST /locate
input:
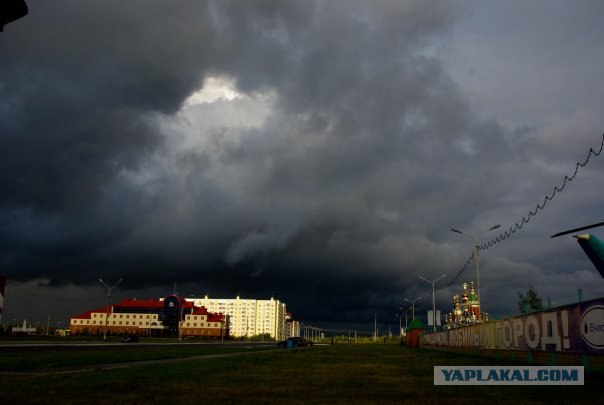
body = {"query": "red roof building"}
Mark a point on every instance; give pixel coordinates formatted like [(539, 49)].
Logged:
[(172, 316)]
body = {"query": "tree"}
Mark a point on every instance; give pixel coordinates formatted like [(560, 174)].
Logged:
[(530, 302)]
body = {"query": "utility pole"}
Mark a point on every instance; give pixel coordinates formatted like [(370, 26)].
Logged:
[(180, 321), (400, 322), (109, 289), (406, 316), (375, 329)]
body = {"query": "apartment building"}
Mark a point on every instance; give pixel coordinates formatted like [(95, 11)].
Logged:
[(250, 317)]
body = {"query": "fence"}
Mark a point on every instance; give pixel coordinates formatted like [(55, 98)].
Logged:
[(567, 335)]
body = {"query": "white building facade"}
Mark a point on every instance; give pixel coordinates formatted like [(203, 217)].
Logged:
[(249, 317)]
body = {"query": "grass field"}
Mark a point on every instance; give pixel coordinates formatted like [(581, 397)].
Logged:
[(61, 360), (321, 374)]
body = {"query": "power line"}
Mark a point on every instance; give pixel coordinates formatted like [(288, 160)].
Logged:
[(525, 220), (463, 268), (541, 206)]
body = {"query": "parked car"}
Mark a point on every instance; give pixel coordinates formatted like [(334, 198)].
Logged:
[(295, 341), (130, 339)]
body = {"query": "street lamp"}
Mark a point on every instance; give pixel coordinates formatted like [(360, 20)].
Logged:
[(109, 289), (400, 323), (375, 332), (475, 237), (413, 307), (406, 313), (433, 299)]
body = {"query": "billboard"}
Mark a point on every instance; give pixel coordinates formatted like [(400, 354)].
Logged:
[(431, 318), (576, 328)]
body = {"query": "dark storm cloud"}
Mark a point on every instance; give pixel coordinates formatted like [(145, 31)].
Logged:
[(330, 181), (82, 87)]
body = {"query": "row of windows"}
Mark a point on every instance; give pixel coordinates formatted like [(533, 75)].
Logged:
[(239, 304), (101, 322), (203, 325), (234, 320), (201, 332), (127, 316), (245, 310), (140, 323)]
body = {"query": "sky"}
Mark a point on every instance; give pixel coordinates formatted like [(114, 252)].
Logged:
[(317, 152)]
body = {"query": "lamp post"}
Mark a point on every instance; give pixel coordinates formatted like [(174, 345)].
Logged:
[(475, 237), (413, 307), (109, 289), (406, 314), (400, 323), (375, 328), (433, 299)]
